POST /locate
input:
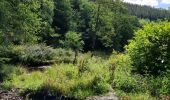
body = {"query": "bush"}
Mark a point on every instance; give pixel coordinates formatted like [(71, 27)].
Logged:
[(35, 55), (64, 56), (29, 54), (130, 85), (159, 86), (123, 79), (73, 41), (149, 50), (8, 71), (5, 54)]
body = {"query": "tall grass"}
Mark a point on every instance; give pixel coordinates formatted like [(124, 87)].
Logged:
[(88, 77), (65, 80)]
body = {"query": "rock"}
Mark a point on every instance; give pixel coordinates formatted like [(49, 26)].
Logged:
[(10, 95), (109, 96), (40, 68)]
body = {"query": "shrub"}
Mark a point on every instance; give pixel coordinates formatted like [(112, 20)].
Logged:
[(5, 54), (130, 85), (149, 50), (8, 71), (64, 56), (29, 54), (38, 54), (159, 86), (165, 90), (34, 54), (123, 79), (73, 41)]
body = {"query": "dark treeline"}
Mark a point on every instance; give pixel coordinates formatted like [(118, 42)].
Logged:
[(147, 12)]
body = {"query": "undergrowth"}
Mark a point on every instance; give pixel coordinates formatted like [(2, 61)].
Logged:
[(88, 77)]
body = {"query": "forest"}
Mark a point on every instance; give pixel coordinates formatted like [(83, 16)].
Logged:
[(83, 50), (147, 12)]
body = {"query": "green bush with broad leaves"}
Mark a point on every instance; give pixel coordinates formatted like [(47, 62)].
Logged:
[(150, 49)]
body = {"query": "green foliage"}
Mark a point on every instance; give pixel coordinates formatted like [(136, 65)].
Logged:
[(105, 31), (62, 16), (21, 21), (125, 26), (97, 22), (28, 54), (137, 96), (129, 85), (24, 22), (63, 55), (159, 86), (8, 71), (64, 79), (86, 21), (116, 25), (35, 54), (144, 22), (123, 79), (40, 21), (149, 50), (89, 77), (47, 34), (4, 54), (38, 54), (82, 25), (147, 12), (73, 41)]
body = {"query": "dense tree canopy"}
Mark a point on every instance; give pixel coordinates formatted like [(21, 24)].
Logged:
[(97, 21), (148, 12), (22, 21), (103, 24)]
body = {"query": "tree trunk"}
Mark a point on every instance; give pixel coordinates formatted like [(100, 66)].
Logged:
[(75, 57), (96, 30)]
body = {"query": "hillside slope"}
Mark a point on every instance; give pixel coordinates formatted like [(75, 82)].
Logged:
[(147, 12)]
